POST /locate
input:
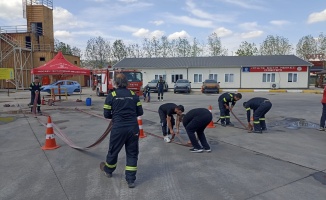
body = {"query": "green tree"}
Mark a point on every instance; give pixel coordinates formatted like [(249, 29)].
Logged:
[(119, 50), (98, 52), (215, 46), (183, 47), (247, 49), (306, 45), (196, 50), (275, 45)]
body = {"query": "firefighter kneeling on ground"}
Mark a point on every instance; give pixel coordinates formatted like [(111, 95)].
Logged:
[(123, 107), (35, 88), (260, 106)]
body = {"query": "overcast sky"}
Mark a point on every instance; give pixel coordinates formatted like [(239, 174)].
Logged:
[(76, 21)]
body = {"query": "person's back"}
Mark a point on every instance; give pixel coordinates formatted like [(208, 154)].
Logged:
[(124, 107)]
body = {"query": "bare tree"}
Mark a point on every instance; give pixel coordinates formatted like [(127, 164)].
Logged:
[(277, 45), (134, 51), (148, 48), (98, 52), (156, 46), (247, 49)]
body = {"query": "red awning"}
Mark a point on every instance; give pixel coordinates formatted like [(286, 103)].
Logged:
[(59, 66)]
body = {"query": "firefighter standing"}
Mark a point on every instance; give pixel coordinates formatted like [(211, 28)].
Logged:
[(160, 89), (35, 88), (123, 107), (196, 120), (260, 106), (166, 112), (224, 101), (323, 116)]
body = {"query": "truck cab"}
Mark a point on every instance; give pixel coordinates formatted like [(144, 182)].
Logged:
[(105, 81)]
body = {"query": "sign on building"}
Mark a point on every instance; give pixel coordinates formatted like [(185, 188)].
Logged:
[(6, 73), (275, 69)]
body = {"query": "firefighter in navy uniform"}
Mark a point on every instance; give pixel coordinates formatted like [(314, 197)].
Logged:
[(260, 106), (224, 101), (35, 87), (196, 120), (123, 107), (160, 88), (166, 112)]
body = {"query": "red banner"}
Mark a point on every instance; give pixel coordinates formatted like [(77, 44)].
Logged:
[(275, 69)]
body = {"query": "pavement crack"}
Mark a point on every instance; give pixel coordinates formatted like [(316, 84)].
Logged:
[(289, 183), (275, 158)]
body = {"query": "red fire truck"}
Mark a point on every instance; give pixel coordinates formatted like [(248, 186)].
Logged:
[(103, 80)]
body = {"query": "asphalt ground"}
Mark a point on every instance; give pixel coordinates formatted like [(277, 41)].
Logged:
[(288, 162)]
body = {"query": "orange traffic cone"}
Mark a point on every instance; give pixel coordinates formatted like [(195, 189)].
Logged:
[(49, 137), (43, 101), (211, 124), (140, 124)]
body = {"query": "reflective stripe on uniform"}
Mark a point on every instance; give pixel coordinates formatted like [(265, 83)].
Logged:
[(107, 107), (247, 108), (114, 94), (222, 117), (110, 166), (224, 99), (231, 95), (129, 168), (227, 117), (256, 122), (132, 92), (262, 119), (138, 103)]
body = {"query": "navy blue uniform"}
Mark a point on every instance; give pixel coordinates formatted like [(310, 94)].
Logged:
[(147, 93), (123, 107), (35, 87), (224, 100), (196, 120), (160, 88), (164, 111), (260, 106)]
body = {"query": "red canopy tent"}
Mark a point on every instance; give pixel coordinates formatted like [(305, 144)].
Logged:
[(59, 66)]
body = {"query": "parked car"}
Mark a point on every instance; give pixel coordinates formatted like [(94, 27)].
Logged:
[(65, 85), (152, 86), (210, 85), (182, 85)]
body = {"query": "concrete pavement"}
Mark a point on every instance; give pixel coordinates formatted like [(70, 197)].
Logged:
[(288, 162)]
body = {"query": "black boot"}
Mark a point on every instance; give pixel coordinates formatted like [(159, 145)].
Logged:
[(257, 127)]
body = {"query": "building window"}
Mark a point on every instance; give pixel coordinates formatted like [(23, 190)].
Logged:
[(198, 78), (175, 77), (268, 77), (42, 58), (75, 62), (292, 77), (213, 76), (157, 76), (229, 78)]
